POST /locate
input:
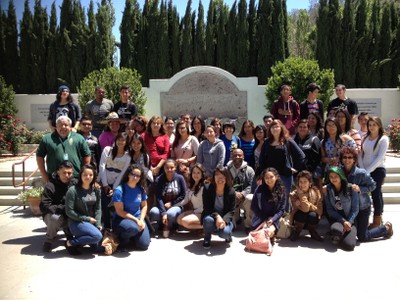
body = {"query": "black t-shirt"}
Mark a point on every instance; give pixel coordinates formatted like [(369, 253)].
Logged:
[(125, 110), (348, 104)]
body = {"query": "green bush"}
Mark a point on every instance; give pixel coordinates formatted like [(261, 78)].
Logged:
[(35, 136), (298, 73), (112, 79), (7, 95), (13, 133)]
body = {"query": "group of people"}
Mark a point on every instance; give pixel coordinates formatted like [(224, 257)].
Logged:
[(113, 170)]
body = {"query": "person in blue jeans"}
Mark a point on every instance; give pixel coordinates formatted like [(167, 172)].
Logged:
[(83, 208), (363, 184), (130, 203), (218, 207)]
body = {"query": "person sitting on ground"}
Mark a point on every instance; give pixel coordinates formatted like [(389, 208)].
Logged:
[(269, 202), (218, 207), (342, 205), (171, 191), (307, 207), (130, 204), (191, 217), (83, 208), (52, 205), (242, 177)]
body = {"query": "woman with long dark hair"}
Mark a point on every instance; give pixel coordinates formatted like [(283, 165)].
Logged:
[(198, 127)]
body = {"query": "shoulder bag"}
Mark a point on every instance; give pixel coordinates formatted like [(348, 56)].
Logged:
[(259, 241)]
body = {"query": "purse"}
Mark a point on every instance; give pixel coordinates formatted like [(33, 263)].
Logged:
[(259, 241), (285, 228), (110, 242)]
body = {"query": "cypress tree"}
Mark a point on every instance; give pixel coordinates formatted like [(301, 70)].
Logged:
[(91, 64), (285, 29), (199, 41), (211, 33), (264, 32), (3, 17), (221, 36), (322, 46), (143, 44), (64, 43), (26, 50), (174, 36), (362, 42), (278, 31), (335, 39), (384, 48), (187, 46), (153, 40), (128, 29), (242, 53), (39, 42), (79, 31), (226, 58), (105, 42), (373, 49), (349, 45), (164, 61), (395, 52), (51, 59), (252, 21), (11, 48)]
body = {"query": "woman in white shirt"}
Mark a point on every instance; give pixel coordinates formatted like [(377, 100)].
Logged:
[(371, 158)]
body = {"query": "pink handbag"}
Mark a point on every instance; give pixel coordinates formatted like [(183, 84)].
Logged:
[(259, 241)]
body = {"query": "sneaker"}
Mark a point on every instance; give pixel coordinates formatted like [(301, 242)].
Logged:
[(389, 230), (71, 249), (335, 239), (206, 244), (228, 240), (47, 247), (166, 232)]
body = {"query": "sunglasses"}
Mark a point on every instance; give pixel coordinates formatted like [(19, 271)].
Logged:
[(134, 175), (347, 157)]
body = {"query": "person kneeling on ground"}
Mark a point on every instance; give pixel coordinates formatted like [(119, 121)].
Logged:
[(53, 203)]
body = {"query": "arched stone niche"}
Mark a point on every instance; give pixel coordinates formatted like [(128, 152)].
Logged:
[(204, 93)]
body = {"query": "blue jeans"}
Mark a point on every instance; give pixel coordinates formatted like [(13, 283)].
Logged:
[(287, 182), (128, 230), (378, 175), (85, 233), (172, 214), (210, 228), (363, 234)]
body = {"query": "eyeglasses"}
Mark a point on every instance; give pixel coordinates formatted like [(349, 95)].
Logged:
[(182, 128), (134, 175), (156, 124), (86, 124), (347, 157)]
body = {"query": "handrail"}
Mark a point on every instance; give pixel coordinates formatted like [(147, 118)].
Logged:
[(23, 183)]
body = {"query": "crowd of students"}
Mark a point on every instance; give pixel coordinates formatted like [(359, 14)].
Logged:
[(139, 177)]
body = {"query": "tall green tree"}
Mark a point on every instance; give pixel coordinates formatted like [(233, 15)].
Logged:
[(26, 50), (395, 52), (129, 29), (300, 29), (174, 37), (252, 21), (90, 64), (373, 49), (362, 43), (11, 47), (265, 35), (39, 48), (143, 45), (51, 58), (199, 57), (187, 39), (242, 52), (64, 43), (153, 40), (211, 33), (384, 48), (335, 39), (227, 36), (349, 45), (278, 30), (322, 36), (105, 41), (3, 18), (285, 28), (164, 60)]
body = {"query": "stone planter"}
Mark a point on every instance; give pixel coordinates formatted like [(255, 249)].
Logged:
[(34, 203)]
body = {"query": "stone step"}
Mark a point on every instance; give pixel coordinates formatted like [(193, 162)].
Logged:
[(391, 198), (392, 177), (7, 190), (7, 181), (391, 187)]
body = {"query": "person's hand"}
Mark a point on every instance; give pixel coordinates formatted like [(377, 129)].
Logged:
[(239, 197), (356, 188), (167, 205), (164, 219), (346, 226), (269, 222), (45, 178), (297, 203), (219, 222), (141, 225), (92, 220), (155, 171)]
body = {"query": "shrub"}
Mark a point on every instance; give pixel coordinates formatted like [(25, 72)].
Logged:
[(298, 73), (7, 95), (112, 79), (35, 136), (13, 133), (393, 132)]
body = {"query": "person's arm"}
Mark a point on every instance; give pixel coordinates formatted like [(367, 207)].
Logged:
[(42, 169), (123, 171), (97, 192), (118, 203), (355, 206), (182, 190), (221, 153), (250, 178), (296, 114), (382, 147), (70, 199)]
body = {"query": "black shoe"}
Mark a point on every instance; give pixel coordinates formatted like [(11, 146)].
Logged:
[(228, 240), (72, 250), (206, 244), (47, 247)]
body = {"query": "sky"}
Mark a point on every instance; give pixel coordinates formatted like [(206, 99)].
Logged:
[(120, 4)]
